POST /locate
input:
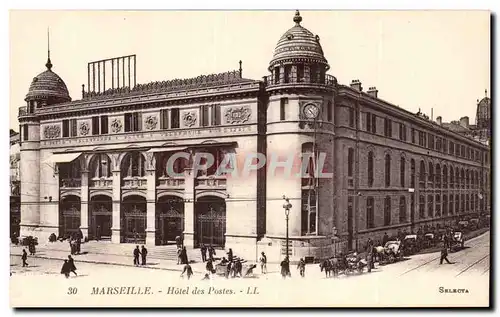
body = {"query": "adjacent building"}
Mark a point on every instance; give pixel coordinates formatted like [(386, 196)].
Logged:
[(98, 164), (15, 183)]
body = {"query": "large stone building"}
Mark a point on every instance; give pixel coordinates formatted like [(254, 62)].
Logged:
[(15, 183), (99, 164)]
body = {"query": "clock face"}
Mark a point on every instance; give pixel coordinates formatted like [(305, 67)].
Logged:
[(311, 111)]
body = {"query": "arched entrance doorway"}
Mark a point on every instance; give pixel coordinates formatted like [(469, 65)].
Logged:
[(133, 217), (169, 219), (69, 215), (100, 217), (210, 226)]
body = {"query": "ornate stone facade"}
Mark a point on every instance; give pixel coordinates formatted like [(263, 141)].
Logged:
[(151, 122), (52, 132), (189, 119), (238, 115), (84, 128), (116, 125)]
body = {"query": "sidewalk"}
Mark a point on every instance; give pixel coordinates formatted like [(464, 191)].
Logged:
[(157, 264)]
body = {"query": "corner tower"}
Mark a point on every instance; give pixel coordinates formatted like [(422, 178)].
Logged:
[(46, 89), (300, 125)]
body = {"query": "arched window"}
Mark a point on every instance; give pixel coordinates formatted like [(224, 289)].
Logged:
[(467, 179), (387, 170), (462, 203), (370, 216), (431, 175), (134, 165), (100, 166), (421, 178), (370, 169), (457, 204), (421, 207), (430, 206), (402, 209), (402, 169), (445, 176), (457, 178), (437, 176), (438, 206), (472, 205), (387, 211), (412, 181)]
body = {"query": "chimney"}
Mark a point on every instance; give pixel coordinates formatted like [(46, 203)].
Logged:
[(372, 91), (464, 122), (356, 84), (439, 120)]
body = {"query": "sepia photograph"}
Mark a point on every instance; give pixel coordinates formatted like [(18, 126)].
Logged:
[(293, 158)]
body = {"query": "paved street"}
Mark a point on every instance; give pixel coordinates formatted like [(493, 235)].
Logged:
[(415, 281)]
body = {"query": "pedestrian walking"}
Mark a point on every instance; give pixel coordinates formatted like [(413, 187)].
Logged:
[(65, 269), (24, 257), (203, 251), (144, 254), (137, 252), (369, 260), (385, 239), (301, 266), (285, 268), (188, 270), (444, 255), (230, 255), (211, 253), (71, 265), (178, 242), (263, 263), (184, 257)]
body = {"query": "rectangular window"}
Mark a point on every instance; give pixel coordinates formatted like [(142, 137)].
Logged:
[(430, 142), (283, 103), (351, 117), (438, 144), (133, 121), (174, 118), (413, 135), (204, 116), (402, 132), (95, 125), (388, 128), (25, 132), (370, 215), (65, 132), (215, 115), (163, 119), (452, 148), (73, 127), (374, 123), (368, 122), (104, 124)]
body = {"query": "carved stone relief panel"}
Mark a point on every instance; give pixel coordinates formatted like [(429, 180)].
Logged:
[(116, 125), (151, 122), (189, 118), (84, 128), (240, 114), (52, 131)]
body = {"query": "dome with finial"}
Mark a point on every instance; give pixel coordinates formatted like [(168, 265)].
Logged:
[(48, 86), (298, 43)]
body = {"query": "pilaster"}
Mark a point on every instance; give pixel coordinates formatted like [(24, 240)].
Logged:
[(84, 208), (116, 223), (189, 199)]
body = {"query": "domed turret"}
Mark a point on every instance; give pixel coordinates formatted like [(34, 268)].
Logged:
[(298, 58), (48, 87), (298, 44)]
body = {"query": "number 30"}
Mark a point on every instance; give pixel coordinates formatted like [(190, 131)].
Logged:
[(72, 290)]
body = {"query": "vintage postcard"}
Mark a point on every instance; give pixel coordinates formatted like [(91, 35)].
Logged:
[(250, 158)]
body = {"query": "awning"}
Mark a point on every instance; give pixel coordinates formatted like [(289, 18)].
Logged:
[(167, 149), (63, 158)]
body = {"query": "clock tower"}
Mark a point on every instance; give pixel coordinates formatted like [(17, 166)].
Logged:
[(300, 126)]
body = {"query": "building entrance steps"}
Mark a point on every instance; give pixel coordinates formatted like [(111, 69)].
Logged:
[(164, 252)]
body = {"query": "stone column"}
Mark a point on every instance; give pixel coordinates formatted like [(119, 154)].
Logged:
[(189, 201), (116, 219), (84, 208), (150, 199)]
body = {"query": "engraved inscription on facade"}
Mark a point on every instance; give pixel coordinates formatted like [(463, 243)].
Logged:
[(52, 131), (238, 115)]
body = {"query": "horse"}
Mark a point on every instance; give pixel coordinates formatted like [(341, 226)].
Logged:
[(327, 267)]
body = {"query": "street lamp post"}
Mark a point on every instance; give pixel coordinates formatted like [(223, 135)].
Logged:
[(287, 207)]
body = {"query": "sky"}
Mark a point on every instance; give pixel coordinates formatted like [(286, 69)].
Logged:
[(416, 59)]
